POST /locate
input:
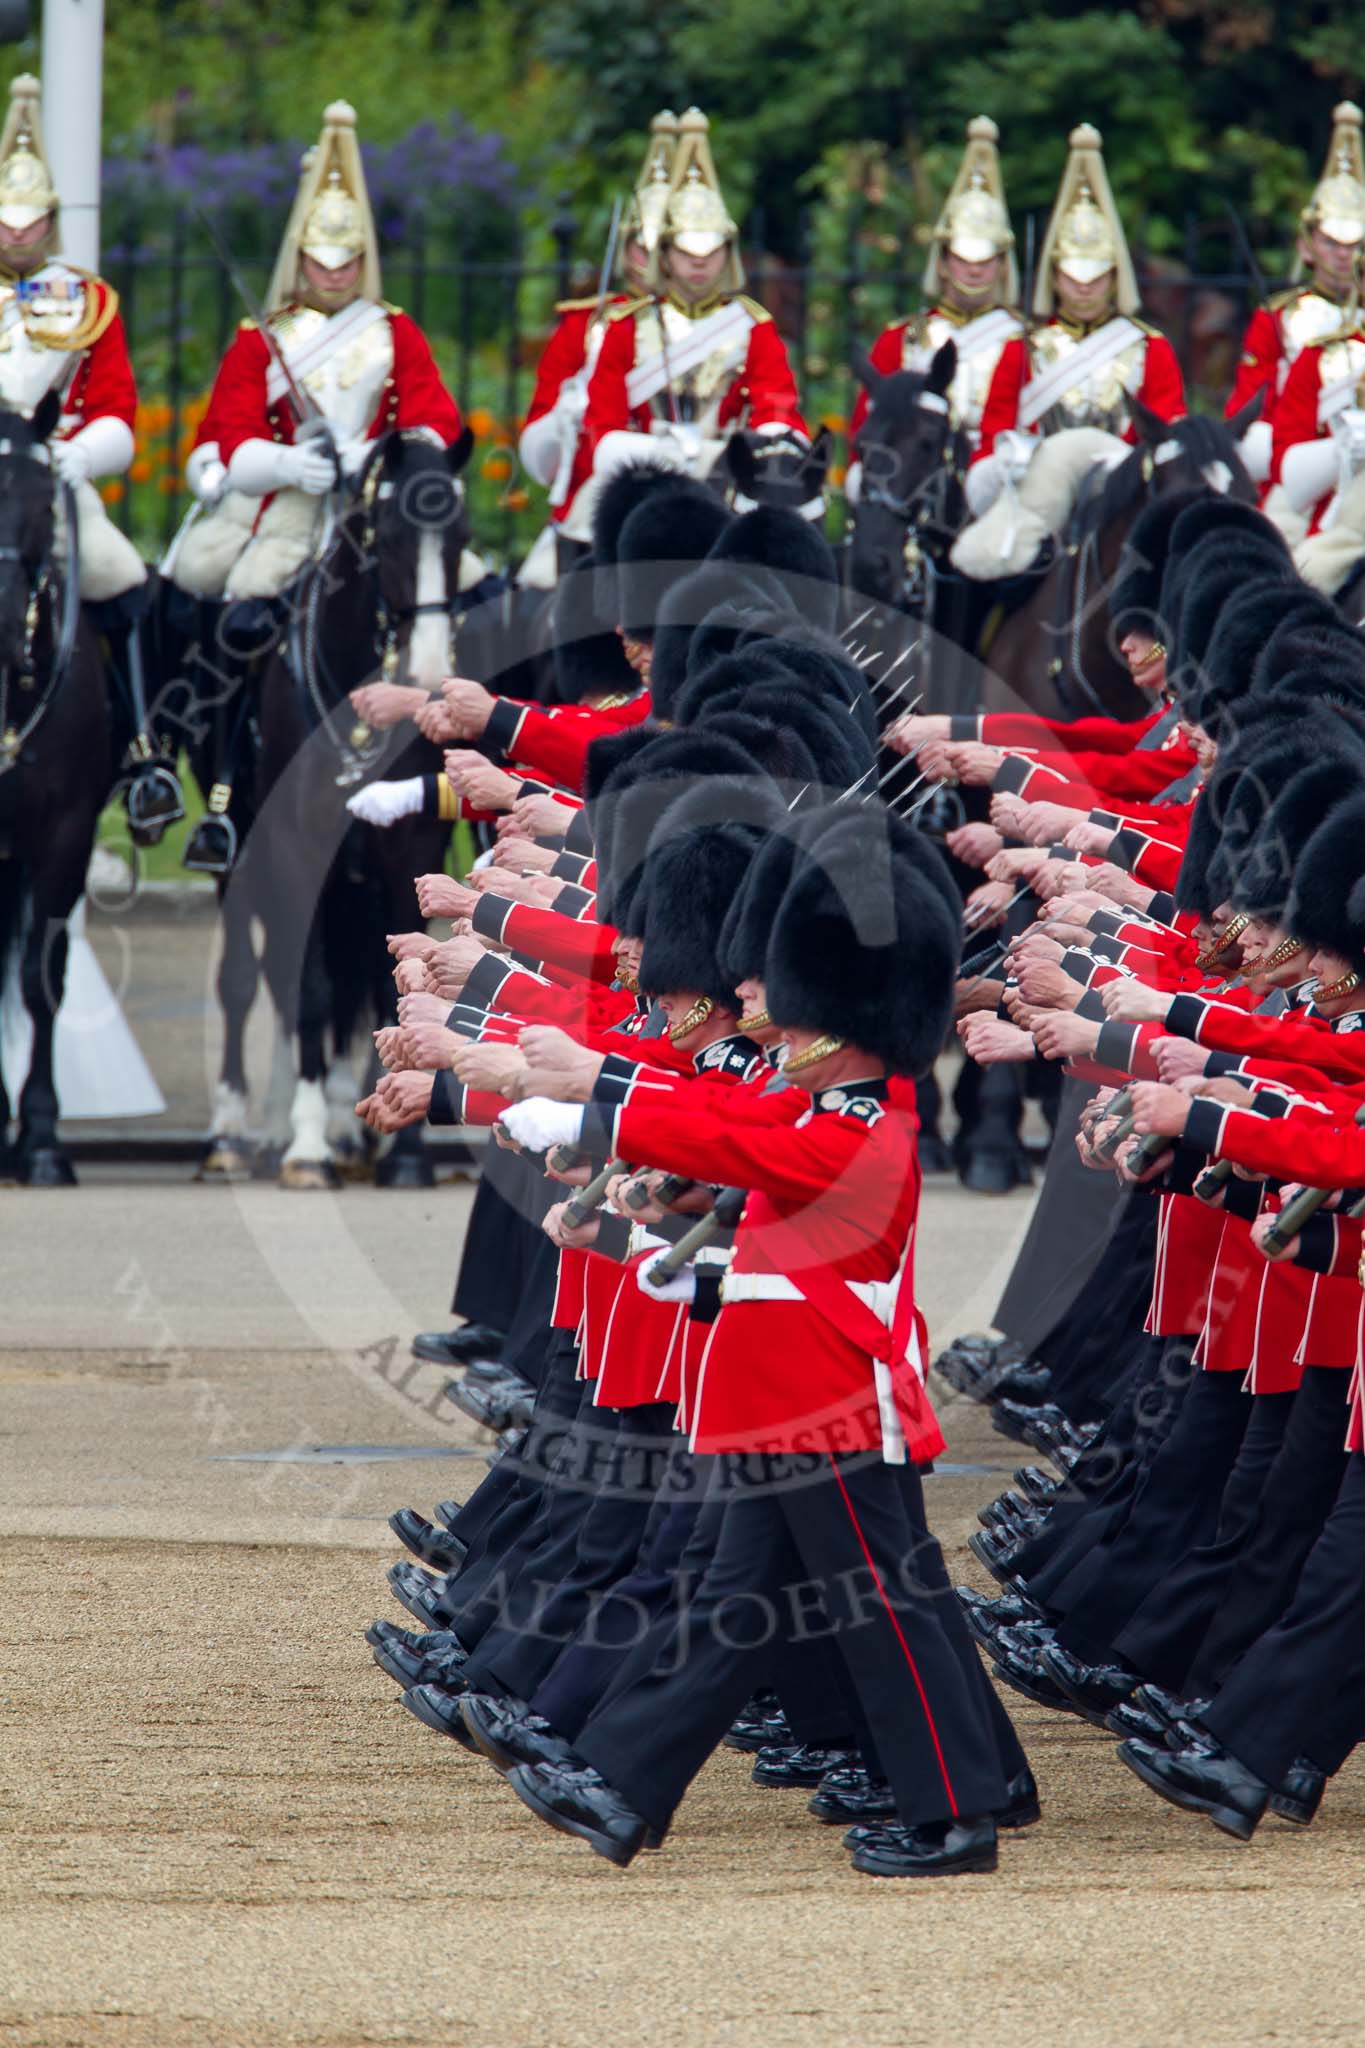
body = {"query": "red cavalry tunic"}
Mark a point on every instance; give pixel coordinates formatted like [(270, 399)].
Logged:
[(413, 394), (1157, 385)]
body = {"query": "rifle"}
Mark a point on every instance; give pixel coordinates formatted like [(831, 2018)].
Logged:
[(1306, 1203), (726, 1213)]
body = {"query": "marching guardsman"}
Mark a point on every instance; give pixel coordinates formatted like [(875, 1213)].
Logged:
[(337, 351), (971, 291), (60, 332), (1331, 232), (1318, 428), (1088, 352), (554, 418), (680, 369)]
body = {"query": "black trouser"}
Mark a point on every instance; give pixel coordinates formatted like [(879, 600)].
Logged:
[(1163, 1637), (1299, 1491), (520, 1470), (502, 1237), (623, 1454), (1100, 1491), (536, 1509), (1299, 1690), (1175, 1507), (1090, 1346), (807, 1547)]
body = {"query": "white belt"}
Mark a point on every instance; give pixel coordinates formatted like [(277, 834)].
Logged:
[(878, 1295), (642, 1239)]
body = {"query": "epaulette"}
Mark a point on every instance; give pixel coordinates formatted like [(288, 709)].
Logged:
[(629, 307), (1277, 301), (1145, 326), (864, 1109), (725, 1057), (577, 305), (246, 326), (752, 306), (390, 308)]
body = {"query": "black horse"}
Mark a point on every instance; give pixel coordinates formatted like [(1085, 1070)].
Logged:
[(57, 758), (327, 889)]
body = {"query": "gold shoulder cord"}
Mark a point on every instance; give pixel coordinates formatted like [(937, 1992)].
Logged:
[(820, 1050)]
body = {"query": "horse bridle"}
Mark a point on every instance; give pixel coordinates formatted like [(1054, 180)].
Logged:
[(361, 747), (925, 506), (13, 739)]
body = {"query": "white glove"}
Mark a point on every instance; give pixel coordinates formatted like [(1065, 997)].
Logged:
[(104, 448), (1254, 448), (541, 444), (1016, 451), (539, 1123), (853, 484), (681, 1287), (384, 803), (71, 462), (259, 467), (1309, 471), (206, 473), (309, 469), (354, 454)]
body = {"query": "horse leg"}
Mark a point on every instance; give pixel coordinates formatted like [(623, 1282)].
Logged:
[(307, 1162), (228, 1156), (43, 1163)]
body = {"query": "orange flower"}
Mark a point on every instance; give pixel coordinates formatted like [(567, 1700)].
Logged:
[(516, 501), (835, 421), (481, 422), (112, 492), (497, 468)]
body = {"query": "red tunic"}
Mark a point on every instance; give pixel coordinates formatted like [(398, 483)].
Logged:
[(413, 396), (103, 385), (762, 390), (1162, 389)]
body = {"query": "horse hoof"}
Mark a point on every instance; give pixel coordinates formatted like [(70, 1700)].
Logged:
[(46, 1167), (308, 1173), (352, 1164), (405, 1170), (226, 1163), (995, 1173)]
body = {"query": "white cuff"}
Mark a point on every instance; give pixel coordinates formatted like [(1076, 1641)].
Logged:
[(853, 483), (106, 445), (1309, 472)]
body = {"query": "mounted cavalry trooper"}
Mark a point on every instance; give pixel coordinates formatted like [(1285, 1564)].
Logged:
[(1085, 356), (971, 292), (60, 331), (554, 418), (1315, 307), (294, 415), (1318, 430), (682, 369)]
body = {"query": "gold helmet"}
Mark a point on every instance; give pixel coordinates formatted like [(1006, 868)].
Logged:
[(974, 223), (1085, 235), (645, 213), (695, 218), (1338, 202), (26, 188), (331, 219)]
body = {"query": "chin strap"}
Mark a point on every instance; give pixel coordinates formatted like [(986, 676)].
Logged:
[(813, 1054), (695, 1017)]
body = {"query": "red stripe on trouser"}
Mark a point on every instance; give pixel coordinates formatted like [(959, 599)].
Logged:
[(900, 1638)]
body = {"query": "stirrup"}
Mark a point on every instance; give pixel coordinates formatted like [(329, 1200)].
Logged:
[(153, 802), (211, 847)]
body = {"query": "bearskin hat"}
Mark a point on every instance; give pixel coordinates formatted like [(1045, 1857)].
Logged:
[(1243, 626), (628, 804), (1327, 902), (705, 612), (666, 534), (1231, 809), (586, 658), (1211, 587), (779, 751), (621, 494), (1135, 600), (1217, 514), (771, 537), (701, 849), (865, 942), (1264, 882)]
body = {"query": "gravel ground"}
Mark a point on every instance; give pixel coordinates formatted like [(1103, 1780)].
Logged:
[(219, 1830)]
